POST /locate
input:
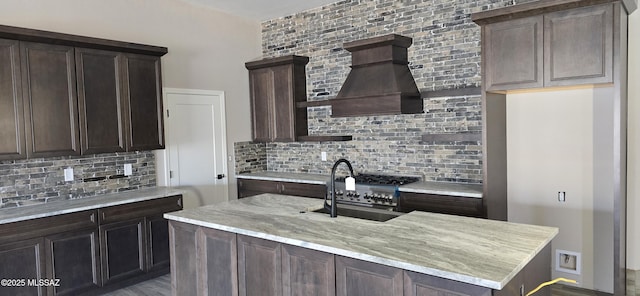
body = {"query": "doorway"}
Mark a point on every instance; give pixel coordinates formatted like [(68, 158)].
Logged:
[(195, 155)]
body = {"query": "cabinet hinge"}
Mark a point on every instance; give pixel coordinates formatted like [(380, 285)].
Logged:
[(170, 174), (167, 113)]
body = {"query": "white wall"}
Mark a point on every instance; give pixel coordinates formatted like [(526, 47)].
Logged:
[(559, 141), (633, 161), (207, 49)]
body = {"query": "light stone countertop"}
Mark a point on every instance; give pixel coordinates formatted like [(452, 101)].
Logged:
[(429, 187), (287, 177), (476, 251), (10, 215), (444, 188)]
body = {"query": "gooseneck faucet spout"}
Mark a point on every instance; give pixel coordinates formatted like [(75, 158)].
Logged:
[(333, 210)]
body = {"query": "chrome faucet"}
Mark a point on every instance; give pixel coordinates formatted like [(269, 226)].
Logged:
[(333, 210)]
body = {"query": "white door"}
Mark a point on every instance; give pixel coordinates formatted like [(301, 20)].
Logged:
[(196, 145)]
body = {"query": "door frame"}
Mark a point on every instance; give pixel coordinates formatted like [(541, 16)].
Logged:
[(162, 156)]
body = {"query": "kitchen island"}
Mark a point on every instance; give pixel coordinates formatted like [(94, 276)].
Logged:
[(276, 245)]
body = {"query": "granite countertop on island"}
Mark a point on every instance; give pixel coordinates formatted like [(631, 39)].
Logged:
[(428, 187), (10, 215), (476, 251)]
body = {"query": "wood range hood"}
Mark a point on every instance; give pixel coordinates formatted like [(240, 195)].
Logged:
[(380, 82)]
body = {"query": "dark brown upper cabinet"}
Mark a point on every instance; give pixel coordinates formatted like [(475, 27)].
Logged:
[(143, 94), (100, 101), (64, 95), (50, 101), (567, 47), (12, 145), (276, 85)]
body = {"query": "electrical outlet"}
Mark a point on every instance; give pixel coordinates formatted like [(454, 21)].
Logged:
[(323, 155), (567, 261), (68, 174), (562, 196), (128, 169)]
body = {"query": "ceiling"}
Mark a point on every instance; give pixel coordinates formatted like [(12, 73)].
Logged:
[(261, 10)]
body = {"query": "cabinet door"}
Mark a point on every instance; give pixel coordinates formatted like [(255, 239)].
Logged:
[(184, 265), (303, 189), (122, 250), (579, 46), (158, 239), (284, 105), (259, 267), (50, 102), (513, 54), (356, 277), (262, 103), (22, 260), (12, 145), (74, 259), (143, 87), (417, 284), (247, 187), (307, 272), (100, 103), (218, 262)]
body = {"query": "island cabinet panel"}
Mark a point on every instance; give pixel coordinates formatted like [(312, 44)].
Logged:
[(259, 267), (360, 278), (101, 105), (218, 263), (444, 204), (248, 187), (50, 100), (514, 51), (122, 250), (307, 272), (417, 284), (74, 259), (12, 145), (22, 260), (143, 95), (184, 265), (579, 46)]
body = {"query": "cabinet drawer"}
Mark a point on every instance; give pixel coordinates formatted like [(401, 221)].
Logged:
[(303, 189), (48, 225), (140, 209), (444, 204), (248, 188)]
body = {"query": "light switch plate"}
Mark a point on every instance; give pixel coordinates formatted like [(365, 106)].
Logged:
[(68, 174), (128, 169)]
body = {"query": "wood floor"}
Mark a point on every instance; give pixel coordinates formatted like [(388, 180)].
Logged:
[(161, 286)]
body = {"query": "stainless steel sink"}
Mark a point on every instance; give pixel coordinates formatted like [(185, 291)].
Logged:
[(363, 213)]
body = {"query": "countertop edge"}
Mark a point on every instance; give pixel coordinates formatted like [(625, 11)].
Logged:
[(374, 259), (102, 201), (282, 179)]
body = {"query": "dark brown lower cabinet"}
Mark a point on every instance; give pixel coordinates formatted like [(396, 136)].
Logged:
[(250, 187), (122, 249), (259, 267), (158, 243), (356, 277), (184, 271), (444, 204), (20, 261), (74, 259), (218, 261), (307, 272)]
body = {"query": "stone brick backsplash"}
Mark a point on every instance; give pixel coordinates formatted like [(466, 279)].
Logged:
[(36, 181), (250, 157), (445, 55)]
